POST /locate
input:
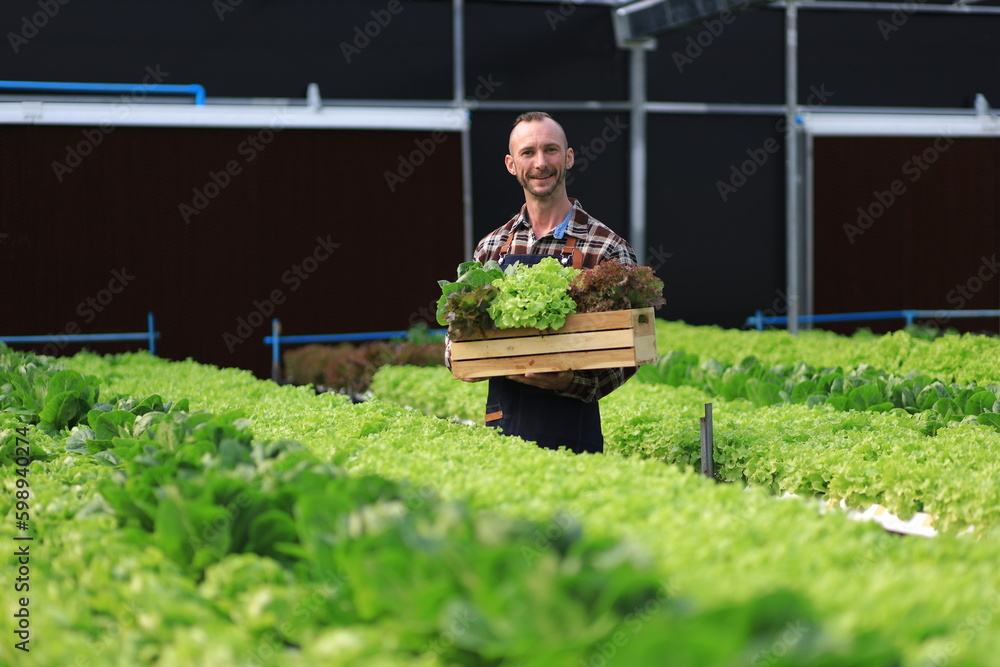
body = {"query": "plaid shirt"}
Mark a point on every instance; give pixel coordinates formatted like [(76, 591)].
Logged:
[(594, 239), (597, 243)]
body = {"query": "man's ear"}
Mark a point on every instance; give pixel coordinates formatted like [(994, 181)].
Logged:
[(509, 161), (570, 158)]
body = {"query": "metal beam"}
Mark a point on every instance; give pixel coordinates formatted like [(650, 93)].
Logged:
[(648, 18), (219, 115)]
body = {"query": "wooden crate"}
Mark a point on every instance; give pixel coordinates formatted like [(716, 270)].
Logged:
[(587, 341)]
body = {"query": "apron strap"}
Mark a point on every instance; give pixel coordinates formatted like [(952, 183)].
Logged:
[(568, 249), (505, 248)]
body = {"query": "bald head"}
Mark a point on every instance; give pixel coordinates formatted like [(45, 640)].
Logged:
[(533, 117)]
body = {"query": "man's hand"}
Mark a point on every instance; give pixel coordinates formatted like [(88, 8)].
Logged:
[(560, 380)]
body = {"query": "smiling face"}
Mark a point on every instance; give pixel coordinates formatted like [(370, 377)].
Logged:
[(539, 157)]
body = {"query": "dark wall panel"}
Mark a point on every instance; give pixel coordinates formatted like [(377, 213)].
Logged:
[(259, 48), (557, 51), (716, 211), (213, 232), (930, 60), (907, 222), (736, 58)]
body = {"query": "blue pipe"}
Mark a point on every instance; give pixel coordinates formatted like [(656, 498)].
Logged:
[(276, 339), (150, 336), (339, 338), (157, 88), (957, 313), (758, 320), (77, 338)]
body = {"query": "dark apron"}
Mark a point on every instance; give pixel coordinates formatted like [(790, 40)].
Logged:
[(542, 415)]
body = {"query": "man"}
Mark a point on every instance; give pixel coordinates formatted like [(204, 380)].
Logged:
[(552, 409)]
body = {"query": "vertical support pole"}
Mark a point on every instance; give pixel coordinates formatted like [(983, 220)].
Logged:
[(275, 350), (792, 164), (806, 305), (469, 241), (152, 333), (637, 159), (458, 86), (707, 444)]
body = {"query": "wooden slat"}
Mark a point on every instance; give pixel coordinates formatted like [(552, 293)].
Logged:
[(614, 319), (513, 347), (586, 360)]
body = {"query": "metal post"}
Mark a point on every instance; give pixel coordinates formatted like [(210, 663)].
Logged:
[(707, 444), (637, 160), (806, 305), (458, 84), (792, 164)]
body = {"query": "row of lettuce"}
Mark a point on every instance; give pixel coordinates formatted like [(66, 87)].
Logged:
[(747, 578), (171, 536), (850, 433), (859, 457), (861, 388), (951, 359)]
